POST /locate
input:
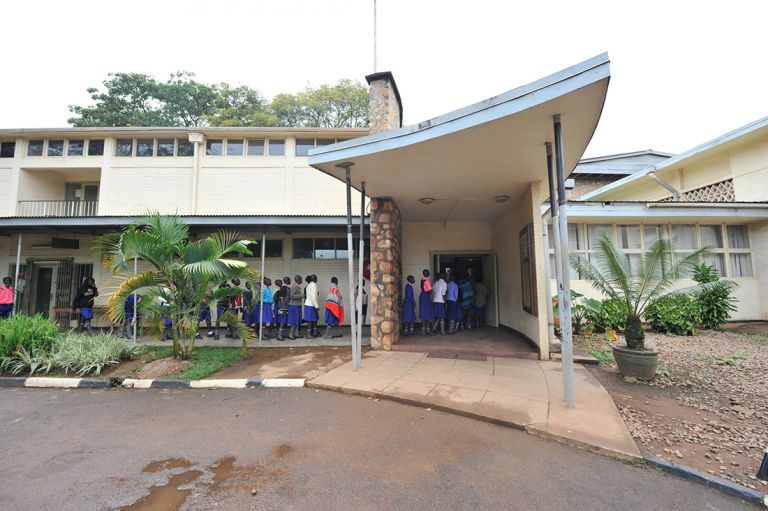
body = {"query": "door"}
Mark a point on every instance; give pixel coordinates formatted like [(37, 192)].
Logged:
[(491, 285), (43, 288)]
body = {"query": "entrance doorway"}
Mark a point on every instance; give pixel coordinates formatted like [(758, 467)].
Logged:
[(480, 267), (43, 292)]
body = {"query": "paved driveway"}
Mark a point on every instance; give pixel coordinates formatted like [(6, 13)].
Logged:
[(299, 449)]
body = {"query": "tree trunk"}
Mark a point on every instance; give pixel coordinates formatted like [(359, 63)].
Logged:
[(634, 334)]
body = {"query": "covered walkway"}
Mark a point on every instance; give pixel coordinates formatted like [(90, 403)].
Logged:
[(486, 341)]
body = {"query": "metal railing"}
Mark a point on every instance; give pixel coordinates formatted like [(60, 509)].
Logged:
[(57, 208)]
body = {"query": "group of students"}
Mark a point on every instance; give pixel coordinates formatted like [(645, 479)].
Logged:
[(280, 312), (457, 302)]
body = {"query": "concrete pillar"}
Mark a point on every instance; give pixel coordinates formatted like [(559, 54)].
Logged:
[(386, 273)]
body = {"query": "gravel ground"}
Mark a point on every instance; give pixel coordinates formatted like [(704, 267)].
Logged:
[(707, 407)]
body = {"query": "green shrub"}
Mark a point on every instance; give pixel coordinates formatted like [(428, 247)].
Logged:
[(30, 333), (717, 303), (84, 354), (72, 352), (675, 315), (610, 313)]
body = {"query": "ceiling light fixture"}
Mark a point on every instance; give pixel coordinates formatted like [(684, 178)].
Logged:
[(500, 199), (427, 200)]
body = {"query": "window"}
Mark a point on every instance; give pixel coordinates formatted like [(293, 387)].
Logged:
[(124, 147), (526, 269), (712, 237), (277, 147), (234, 147), (35, 148), (185, 147), (341, 248), (325, 248), (575, 246), (7, 149), (303, 248), (303, 145), (95, 147), (145, 147), (55, 148), (653, 233), (75, 147), (738, 248), (213, 147), (273, 248), (255, 147), (356, 248), (324, 141), (165, 146)]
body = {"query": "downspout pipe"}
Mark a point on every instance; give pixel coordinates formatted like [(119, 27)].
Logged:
[(676, 196)]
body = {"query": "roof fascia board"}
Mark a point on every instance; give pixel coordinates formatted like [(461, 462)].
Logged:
[(660, 210), (508, 103), (675, 160)]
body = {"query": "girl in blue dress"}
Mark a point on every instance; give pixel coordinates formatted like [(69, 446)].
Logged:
[(426, 311), (409, 306)]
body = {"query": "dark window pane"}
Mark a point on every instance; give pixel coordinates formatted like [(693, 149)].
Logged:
[(95, 147), (303, 145), (234, 147), (324, 248), (213, 147), (366, 247), (274, 248), (124, 147), (277, 147), (341, 248), (55, 148), (302, 248), (324, 141), (165, 146), (255, 147), (75, 147), (35, 148), (7, 149), (145, 147), (185, 147)]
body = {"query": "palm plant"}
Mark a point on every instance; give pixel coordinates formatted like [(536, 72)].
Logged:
[(637, 287), (182, 275)]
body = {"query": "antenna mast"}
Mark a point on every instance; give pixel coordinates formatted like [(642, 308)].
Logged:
[(374, 36)]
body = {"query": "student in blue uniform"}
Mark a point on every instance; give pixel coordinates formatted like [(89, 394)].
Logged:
[(248, 318), (132, 300), (409, 306), (265, 311), (467, 290), (426, 312), (311, 307), (281, 299), (84, 302), (438, 303), (294, 308), (453, 310)]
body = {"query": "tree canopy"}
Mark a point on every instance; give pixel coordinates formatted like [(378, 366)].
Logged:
[(136, 99)]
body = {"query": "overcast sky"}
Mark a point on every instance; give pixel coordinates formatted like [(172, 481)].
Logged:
[(682, 71)]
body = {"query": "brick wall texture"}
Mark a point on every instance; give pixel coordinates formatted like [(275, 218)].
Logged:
[(383, 109)]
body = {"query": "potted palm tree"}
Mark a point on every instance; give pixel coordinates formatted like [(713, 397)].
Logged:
[(635, 287), (182, 274)]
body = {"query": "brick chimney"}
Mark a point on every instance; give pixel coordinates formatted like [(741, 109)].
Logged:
[(385, 109)]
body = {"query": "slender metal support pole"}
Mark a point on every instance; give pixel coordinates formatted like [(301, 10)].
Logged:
[(565, 304), (554, 213), (350, 264), (16, 277), (548, 287), (261, 296), (135, 297), (374, 36), (361, 257)]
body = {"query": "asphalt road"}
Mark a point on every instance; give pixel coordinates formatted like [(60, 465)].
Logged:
[(299, 449)]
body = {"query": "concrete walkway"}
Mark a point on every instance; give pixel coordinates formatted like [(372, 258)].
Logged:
[(520, 393), (299, 342)]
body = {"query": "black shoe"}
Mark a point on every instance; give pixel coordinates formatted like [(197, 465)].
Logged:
[(210, 333), (228, 335), (198, 336)]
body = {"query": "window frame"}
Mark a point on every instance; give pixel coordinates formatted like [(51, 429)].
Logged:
[(118, 141), (69, 144), (165, 142), (527, 256), (268, 149), (30, 145), (92, 140), (8, 143), (56, 141)]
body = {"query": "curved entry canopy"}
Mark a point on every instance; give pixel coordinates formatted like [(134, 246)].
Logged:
[(469, 157)]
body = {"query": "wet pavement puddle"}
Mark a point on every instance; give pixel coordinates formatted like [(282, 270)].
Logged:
[(173, 494)]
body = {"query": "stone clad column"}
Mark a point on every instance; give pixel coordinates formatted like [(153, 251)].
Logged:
[(384, 303)]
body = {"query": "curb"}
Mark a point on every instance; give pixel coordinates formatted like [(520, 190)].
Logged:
[(708, 480), (136, 383)]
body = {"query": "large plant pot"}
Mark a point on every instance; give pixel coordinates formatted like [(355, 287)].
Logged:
[(640, 364)]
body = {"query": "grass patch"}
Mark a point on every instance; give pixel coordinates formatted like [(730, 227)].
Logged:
[(602, 356), (729, 360), (208, 360), (153, 353)]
